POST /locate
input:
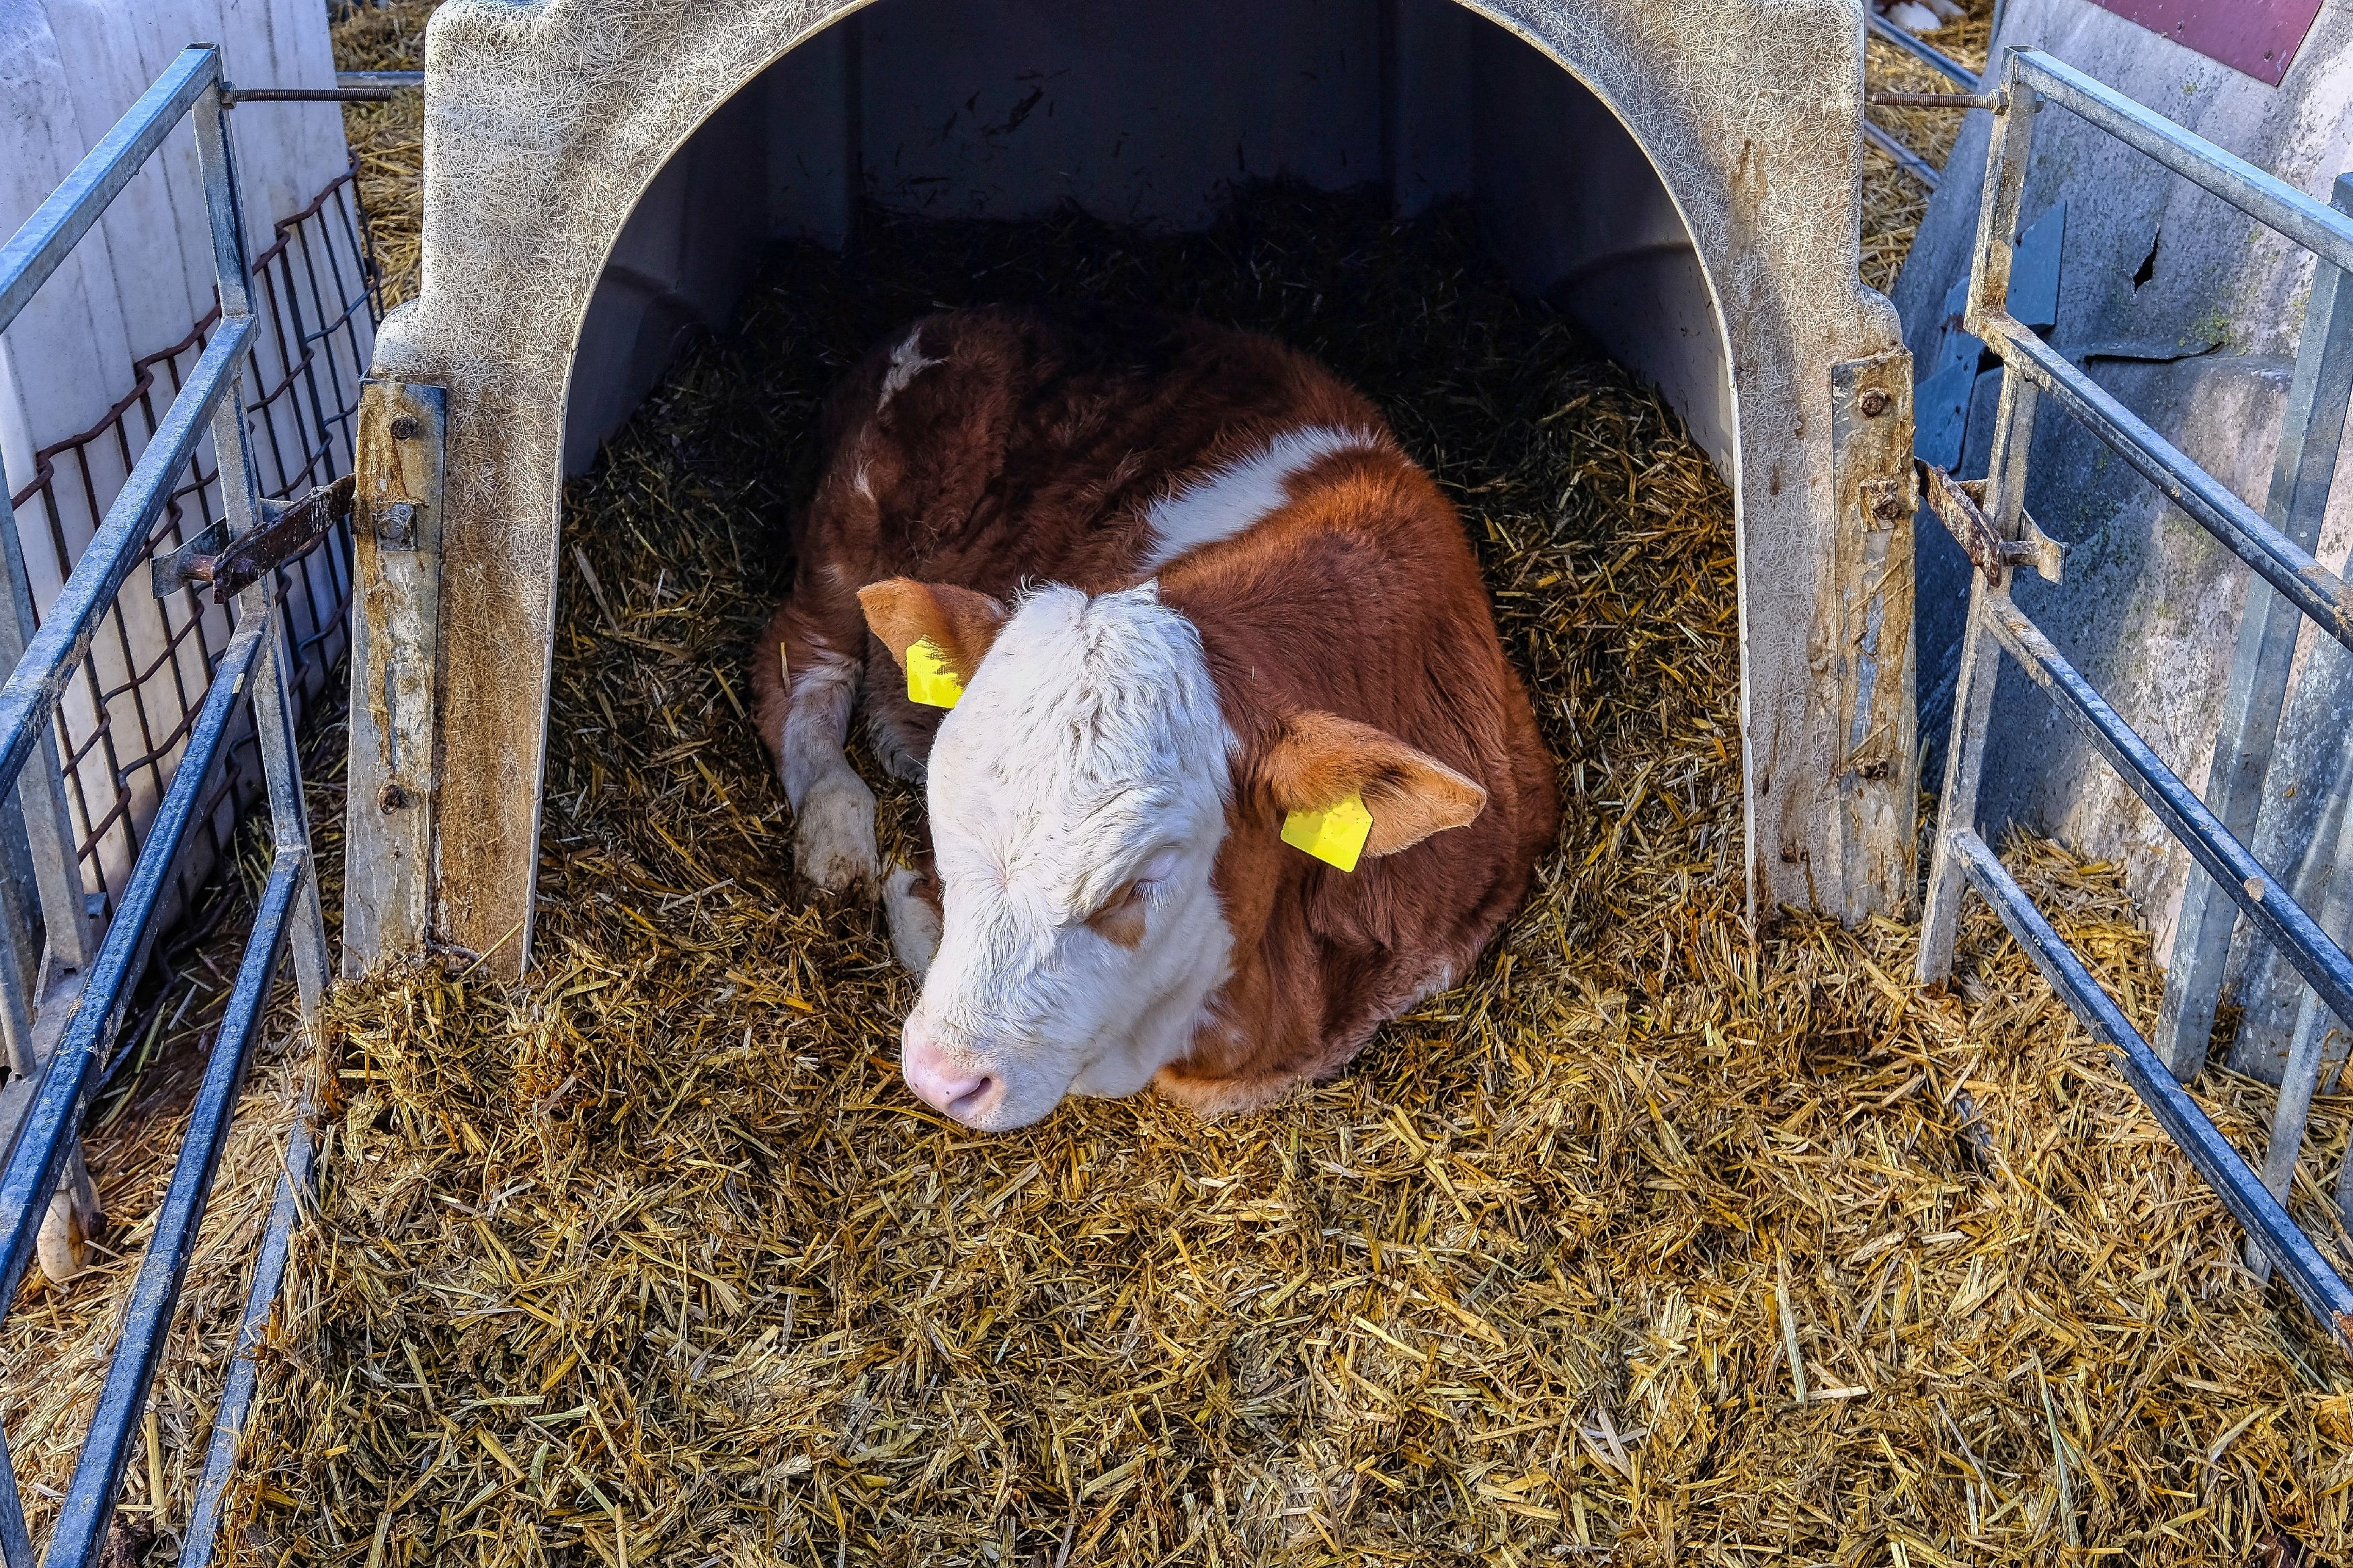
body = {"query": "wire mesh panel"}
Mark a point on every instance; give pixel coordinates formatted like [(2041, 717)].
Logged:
[(125, 721)]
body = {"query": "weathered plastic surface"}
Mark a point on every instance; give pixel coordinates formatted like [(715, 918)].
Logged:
[(1684, 172)]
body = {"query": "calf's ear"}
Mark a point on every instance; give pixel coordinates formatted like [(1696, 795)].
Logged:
[(1321, 758), (957, 621)]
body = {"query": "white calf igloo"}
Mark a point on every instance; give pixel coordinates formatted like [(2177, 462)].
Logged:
[(1682, 175)]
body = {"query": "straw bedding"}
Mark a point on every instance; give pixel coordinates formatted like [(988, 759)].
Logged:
[(1657, 1241)]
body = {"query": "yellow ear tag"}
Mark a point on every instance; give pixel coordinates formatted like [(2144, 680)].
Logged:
[(929, 679), (1336, 836)]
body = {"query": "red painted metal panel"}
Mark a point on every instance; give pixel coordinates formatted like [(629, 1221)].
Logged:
[(2257, 37)]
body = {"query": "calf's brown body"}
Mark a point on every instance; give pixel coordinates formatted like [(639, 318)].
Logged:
[(991, 449)]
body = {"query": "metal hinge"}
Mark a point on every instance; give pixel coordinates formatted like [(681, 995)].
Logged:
[(287, 532)]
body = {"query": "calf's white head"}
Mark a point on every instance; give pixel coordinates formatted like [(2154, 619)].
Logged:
[(1079, 793)]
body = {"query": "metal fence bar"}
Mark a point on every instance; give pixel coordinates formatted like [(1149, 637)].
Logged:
[(2267, 1223), (57, 649), (39, 1151), (35, 250), (89, 1498), (16, 1542), (1981, 668), (1908, 160), (245, 1369), (273, 711), (2265, 197), (2286, 565), (2301, 476), (40, 785), (1928, 54), (2291, 1113), (2259, 895)]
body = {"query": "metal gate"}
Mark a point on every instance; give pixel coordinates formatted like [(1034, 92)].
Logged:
[(60, 1028), (1988, 519)]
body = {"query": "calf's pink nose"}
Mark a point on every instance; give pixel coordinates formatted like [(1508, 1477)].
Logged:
[(939, 1081)]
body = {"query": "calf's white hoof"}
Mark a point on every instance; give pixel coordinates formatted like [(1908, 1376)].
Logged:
[(833, 840), (914, 923)]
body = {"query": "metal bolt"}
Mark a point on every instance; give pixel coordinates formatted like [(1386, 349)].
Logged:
[(1875, 403), (1890, 508), (396, 524), (393, 798), (404, 428)]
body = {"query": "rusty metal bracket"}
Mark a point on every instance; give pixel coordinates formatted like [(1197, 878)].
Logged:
[(288, 531), (1958, 505), (396, 653), (1862, 644)]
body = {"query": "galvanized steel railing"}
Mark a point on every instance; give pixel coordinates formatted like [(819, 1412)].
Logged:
[(83, 1010), (1992, 525)]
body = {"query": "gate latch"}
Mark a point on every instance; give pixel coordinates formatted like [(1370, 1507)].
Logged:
[(286, 530), (1958, 504)]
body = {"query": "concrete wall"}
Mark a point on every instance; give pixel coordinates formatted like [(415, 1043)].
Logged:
[(2189, 313), (67, 72), (1146, 112)]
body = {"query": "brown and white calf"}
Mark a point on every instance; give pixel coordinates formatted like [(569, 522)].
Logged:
[(1189, 587)]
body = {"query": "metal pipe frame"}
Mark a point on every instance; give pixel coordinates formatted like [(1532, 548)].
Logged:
[(2303, 473), (2032, 369), (2259, 895), (2005, 504), (89, 1498), (2267, 1223), (252, 667)]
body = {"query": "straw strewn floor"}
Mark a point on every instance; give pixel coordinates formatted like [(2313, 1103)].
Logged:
[(388, 139), (653, 1258), (1654, 1243)]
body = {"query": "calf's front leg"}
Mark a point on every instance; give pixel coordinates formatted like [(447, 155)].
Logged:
[(807, 688), (911, 901)]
